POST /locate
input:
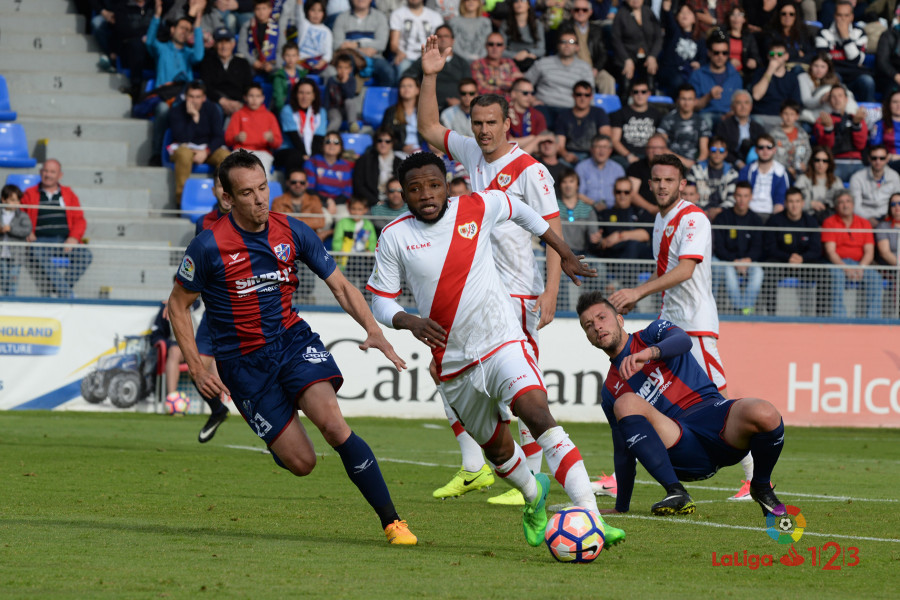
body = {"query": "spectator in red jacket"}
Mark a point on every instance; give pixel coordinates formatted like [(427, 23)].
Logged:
[(843, 132), (57, 258), (254, 128)]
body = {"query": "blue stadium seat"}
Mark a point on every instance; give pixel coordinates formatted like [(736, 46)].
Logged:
[(376, 102), (275, 190), (6, 112), (23, 180), (167, 161), (358, 142), (608, 102), (197, 196), (869, 61), (661, 100), (14, 147)]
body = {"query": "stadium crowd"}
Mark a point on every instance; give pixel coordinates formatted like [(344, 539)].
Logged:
[(763, 101)]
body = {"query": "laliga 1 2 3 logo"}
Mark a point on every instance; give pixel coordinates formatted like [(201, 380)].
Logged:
[(787, 528)]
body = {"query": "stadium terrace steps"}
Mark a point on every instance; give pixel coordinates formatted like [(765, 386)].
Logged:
[(40, 41), (135, 201), (54, 63), (45, 23), (42, 104), (156, 181), (135, 132), (172, 231), (24, 82), (87, 152)]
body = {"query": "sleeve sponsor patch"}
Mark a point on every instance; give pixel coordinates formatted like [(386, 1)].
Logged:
[(186, 270)]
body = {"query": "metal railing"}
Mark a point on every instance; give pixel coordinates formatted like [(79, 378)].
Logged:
[(144, 271)]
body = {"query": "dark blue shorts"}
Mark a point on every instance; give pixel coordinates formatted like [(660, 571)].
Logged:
[(204, 341), (701, 451), (266, 384)]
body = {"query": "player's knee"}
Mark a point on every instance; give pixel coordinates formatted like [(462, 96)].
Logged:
[(766, 415), (297, 465), (629, 404), (335, 432)]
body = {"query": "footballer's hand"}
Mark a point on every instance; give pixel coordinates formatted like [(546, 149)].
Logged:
[(209, 384), (633, 363), (379, 342), (624, 300), (432, 59), (546, 304), (574, 268), (428, 332)]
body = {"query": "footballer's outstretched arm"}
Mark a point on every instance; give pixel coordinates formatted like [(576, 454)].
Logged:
[(427, 113), (625, 299), (179, 307), (354, 304)]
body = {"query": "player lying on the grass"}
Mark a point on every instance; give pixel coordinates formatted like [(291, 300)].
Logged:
[(269, 360), (485, 365), (664, 411)]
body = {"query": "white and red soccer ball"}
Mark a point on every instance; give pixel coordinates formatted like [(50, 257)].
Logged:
[(575, 535)]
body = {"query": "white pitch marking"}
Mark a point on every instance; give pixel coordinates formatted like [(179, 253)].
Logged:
[(433, 426), (782, 493), (251, 448), (746, 528)]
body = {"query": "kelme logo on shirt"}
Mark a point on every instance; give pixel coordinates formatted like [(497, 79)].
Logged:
[(283, 251), (186, 270), (468, 230)]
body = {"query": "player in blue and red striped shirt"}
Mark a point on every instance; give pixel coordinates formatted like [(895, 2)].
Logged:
[(269, 360), (666, 412)]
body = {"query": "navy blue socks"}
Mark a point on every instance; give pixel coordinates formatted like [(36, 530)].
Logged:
[(644, 443), (766, 448), (362, 468)]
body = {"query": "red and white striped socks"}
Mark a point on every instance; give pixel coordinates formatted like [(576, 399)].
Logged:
[(566, 465)]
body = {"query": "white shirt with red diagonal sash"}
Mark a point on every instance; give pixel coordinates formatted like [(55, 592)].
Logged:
[(449, 267), (522, 177), (685, 233)]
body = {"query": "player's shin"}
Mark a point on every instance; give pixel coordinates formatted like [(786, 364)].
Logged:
[(363, 470), (644, 443), (472, 458), (516, 473), (565, 464), (532, 449), (766, 448)]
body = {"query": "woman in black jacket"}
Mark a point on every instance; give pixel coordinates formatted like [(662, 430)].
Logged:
[(375, 168)]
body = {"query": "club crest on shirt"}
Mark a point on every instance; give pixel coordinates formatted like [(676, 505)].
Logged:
[(282, 251), (468, 230), (187, 268), (670, 230), (504, 180)]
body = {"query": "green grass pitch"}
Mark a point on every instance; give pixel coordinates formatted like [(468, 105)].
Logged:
[(131, 506)]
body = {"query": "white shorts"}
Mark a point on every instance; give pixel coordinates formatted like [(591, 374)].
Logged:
[(483, 396), (527, 319), (705, 350)]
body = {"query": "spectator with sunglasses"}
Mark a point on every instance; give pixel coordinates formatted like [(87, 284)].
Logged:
[(715, 179), (591, 48), (575, 128), (375, 168), (391, 207), (773, 86), (626, 235), (553, 77), (526, 122), (459, 117), (788, 28), (494, 74), (767, 177), (819, 185), (716, 81), (297, 199), (873, 187), (330, 176), (632, 126)]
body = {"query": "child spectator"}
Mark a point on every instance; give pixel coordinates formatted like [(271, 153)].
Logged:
[(792, 147), (355, 234), (14, 227), (341, 99), (262, 38), (254, 128), (287, 76), (315, 40)]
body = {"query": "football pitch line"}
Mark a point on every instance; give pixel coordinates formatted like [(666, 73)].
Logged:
[(637, 481), (747, 528)]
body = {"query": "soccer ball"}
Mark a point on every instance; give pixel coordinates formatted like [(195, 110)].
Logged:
[(575, 535), (177, 403)]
